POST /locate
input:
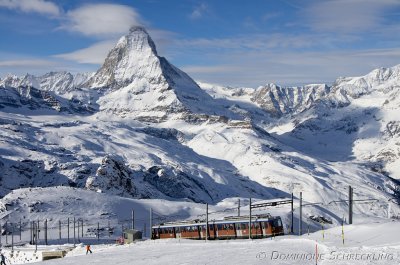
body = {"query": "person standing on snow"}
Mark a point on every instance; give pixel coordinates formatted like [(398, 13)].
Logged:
[(87, 250), (2, 259)]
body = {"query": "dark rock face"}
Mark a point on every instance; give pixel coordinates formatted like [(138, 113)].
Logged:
[(175, 183), (112, 176)]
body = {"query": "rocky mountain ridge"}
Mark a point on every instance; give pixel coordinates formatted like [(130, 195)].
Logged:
[(140, 127)]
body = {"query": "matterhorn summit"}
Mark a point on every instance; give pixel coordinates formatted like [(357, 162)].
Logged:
[(133, 58), (142, 85)]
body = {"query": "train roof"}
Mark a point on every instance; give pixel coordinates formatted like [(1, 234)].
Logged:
[(227, 221)]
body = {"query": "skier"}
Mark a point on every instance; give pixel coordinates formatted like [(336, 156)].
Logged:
[(87, 250), (2, 259)]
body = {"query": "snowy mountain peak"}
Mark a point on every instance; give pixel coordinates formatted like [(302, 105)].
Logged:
[(355, 87), (134, 56), (139, 39), (145, 86)]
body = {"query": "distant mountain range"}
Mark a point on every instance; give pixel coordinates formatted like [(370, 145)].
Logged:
[(140, 127)]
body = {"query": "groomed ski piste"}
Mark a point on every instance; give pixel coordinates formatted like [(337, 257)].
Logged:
[(376, 243), (369, 240)]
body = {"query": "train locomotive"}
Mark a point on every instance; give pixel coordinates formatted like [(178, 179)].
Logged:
[(228, 228)]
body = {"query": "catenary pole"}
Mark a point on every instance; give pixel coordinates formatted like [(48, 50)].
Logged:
[(301, 215), (207, 222), (133, 219), (292, 210), (151, 223), (250, 218)]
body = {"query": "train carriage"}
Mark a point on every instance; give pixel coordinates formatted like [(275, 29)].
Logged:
[(237, 227)]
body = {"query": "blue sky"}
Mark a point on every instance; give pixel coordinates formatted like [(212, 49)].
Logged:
[(289, 42)]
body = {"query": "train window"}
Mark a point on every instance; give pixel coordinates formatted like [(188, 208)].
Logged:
[(220, 227), (277, 222), (166, 231), (211, 227), (244, 226), (191, 229)]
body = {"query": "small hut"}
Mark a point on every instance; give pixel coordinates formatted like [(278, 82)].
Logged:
[(131, 235)]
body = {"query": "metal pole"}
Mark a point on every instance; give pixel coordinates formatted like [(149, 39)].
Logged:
[(12, 238), (109, 228), (301, 215), (59, 229), (20, 230), (291, 224), (38, 230), (98, 231), (151, 223), (144, 229), (30, 230), (82, 228), (45, 232), (133, 219), (78, 229), (37, 233), (250, 219), (74, 231), (206, 221), (68, 231), (238, 207), (31, 227), (350, 205), (6, 232)]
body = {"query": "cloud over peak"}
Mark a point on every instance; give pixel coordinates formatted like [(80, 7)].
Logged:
[(101, 20), (34, 6)]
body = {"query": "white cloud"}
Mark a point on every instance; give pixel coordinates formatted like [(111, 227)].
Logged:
[(211, 69), (262, 42), (347, 15), (94, 54), (254, 68), (199, 11), (35, 6), (102, 20), (26, 63)]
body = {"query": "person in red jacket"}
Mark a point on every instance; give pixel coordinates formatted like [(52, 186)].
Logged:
[(88, 249)]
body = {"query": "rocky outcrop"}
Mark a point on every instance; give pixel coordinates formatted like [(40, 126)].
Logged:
[(279, 101), (176, 184), (113, 176)]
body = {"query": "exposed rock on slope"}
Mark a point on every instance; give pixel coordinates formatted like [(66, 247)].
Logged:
[(113, 176)]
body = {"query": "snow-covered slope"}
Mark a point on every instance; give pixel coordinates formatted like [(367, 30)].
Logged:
[(139, 127), (357, 121), (365, 244)]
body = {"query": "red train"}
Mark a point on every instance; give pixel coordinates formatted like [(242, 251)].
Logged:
[(229, 228)]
